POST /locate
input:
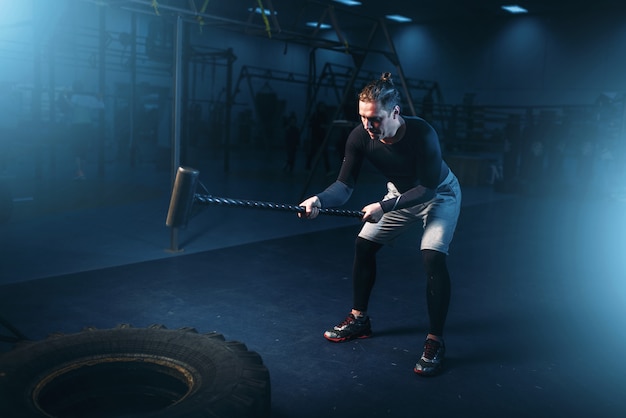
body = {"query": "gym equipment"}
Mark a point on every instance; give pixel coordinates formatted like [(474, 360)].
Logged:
[(184, 196), (139, 372)]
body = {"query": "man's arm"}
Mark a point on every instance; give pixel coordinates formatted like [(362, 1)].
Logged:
[(335, 195), (429, 167), (415, 196)]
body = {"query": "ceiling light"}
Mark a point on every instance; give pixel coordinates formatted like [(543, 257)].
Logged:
[(267, 12), (399, 18), (514, 8), (348, 2), (320, 25)]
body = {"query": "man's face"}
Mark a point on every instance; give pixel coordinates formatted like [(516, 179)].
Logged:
[(376, 121)]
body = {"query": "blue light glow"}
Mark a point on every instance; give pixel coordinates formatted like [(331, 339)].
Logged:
[(348, 2), (316, 24), (514, 8), (399, 18), (264, 11)]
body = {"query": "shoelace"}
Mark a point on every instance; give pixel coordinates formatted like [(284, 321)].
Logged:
[(430, 349), (349, 319)]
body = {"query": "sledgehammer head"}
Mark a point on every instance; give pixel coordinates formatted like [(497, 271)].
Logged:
[(183, 194)]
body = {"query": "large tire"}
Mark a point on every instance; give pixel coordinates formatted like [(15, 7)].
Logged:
[(133, 372)]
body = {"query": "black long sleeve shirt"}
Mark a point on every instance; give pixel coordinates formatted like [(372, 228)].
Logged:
[(413, 164)]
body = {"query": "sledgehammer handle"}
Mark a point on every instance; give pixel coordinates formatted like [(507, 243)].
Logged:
[(207, 199)]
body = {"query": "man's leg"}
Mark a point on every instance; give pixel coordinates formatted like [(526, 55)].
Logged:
[(357, 323), (437, 290), (438, 301), (363, 272)]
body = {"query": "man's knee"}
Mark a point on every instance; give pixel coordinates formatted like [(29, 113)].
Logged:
[(434, 261), (365, 247)]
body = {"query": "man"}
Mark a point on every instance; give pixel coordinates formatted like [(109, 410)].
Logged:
[(421, 188)]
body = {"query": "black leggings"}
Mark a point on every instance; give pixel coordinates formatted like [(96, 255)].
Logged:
[(437, 281), (437, 289)]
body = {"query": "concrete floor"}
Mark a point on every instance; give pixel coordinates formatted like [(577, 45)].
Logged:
[(533, 328)]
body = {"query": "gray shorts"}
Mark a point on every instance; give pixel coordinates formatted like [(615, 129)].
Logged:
[(439, 217)]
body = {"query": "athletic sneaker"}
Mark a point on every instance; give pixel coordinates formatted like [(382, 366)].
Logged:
[(431, 361), (350, 329)]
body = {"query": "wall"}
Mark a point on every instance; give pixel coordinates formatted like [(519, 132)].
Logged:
[(519, 61)]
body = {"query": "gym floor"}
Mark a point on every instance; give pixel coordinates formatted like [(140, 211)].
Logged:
[(533, 328)]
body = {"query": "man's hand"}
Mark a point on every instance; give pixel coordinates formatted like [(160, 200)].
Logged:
[(312, 206), (372, 213)]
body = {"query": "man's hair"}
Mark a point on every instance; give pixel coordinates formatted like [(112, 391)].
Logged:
[(381, 91)]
